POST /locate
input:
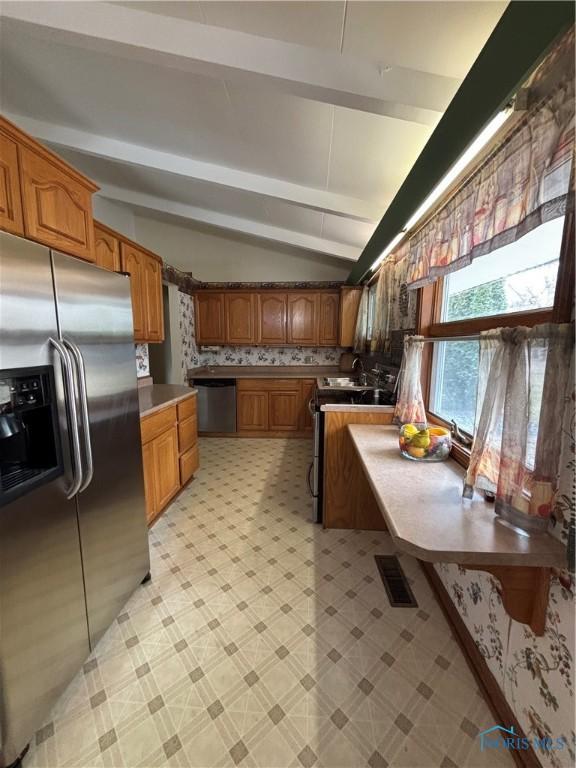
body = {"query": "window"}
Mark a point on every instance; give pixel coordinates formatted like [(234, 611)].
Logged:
[(519, 278), (516, 278), (454, 382)]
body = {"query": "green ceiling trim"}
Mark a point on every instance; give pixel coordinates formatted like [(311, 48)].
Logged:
[(518, 43)]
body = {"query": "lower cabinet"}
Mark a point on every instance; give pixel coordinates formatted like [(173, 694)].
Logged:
[(252, 411), (169, 453), (273, 406)]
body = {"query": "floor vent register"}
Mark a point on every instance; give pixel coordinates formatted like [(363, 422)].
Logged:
[(395, 582)]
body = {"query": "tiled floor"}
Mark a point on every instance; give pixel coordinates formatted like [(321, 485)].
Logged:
[(264, 641)]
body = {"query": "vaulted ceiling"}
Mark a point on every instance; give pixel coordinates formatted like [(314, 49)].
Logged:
[(294, 122)]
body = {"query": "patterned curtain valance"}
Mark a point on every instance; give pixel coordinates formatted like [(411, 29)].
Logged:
[(522, 185)]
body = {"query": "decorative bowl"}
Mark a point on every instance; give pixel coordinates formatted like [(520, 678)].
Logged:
[(423, 442)]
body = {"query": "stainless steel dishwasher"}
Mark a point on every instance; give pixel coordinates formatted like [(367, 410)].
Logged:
[(216, 405)]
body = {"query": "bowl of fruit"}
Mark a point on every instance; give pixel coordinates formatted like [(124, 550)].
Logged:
[(424, 442)]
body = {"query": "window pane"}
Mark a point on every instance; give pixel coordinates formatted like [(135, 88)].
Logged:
[(454, 382), (518, 277)]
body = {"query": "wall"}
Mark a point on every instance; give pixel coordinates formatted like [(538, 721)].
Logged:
[(215, 256), (142, 360), (115, 215), (193, 358), (536, 674)]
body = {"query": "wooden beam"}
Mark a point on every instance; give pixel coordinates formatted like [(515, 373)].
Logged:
[(234, 223), (518, 43), (311, 73), (198, 170)]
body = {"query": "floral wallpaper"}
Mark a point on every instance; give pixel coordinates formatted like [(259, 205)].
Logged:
[(142, 361), (192, 357), (536, 674)]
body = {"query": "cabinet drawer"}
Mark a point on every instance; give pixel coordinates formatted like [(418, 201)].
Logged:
[(187, 408), (157, 423), (266, 385), (189, 463), (187, 433)]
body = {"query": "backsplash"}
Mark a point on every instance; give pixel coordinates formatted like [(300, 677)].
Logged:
[(192, 357), (142, 361)]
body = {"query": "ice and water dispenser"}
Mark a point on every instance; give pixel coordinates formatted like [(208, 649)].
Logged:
[(30, 450)]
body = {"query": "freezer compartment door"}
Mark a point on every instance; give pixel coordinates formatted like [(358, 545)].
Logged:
[(95, 323), (43, 630)]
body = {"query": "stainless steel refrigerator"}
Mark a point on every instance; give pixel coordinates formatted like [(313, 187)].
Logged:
[(73, 537)]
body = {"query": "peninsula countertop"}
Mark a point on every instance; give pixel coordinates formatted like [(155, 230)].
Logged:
[(156, 396), (426, 516), (262, 372)]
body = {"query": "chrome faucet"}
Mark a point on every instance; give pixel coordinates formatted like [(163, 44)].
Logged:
[(356, 361)]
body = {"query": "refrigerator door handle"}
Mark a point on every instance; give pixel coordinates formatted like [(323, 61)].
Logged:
[(81, 377), (72, 413)]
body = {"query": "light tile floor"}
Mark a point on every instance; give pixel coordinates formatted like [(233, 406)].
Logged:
[(264, 641)]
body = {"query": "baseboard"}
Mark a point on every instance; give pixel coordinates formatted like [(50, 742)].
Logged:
[(486, 681)]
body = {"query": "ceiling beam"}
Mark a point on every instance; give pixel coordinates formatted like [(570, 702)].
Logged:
[(197, 170), (233, 223), (518, 43), (312, 73)]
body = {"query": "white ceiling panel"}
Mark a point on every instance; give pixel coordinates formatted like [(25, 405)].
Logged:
[(439, 37), (317, 24), (294, 217), (285, 135), (111, 74), (145, 104), (345, 231), (371, 155)]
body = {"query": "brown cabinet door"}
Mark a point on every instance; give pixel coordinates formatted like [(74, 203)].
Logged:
[(302, 318), (240, 318), (133, 263), (149, 481), (284, 411), (11, 218), (252, 411), (106, 249), (329, 317), (153, 308), (57, 207), (189, 463), (210, 327), (308, 389), (349, 303), (272, 318), (166, 466)]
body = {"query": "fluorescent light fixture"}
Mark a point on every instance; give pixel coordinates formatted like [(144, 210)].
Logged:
[(392, 244), (463, 161)]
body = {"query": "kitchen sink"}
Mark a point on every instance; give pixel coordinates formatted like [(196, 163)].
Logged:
[(345, 382)]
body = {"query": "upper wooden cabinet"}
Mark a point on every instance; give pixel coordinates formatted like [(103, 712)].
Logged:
[(210, 321), (272, 318), (133, 264), (154, 311), (302, 318), (328, 319), (106, 248), (240, 318), (145, 272), (11, 218), (349, 304), (42, 197)]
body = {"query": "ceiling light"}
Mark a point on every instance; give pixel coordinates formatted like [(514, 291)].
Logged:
[(463, 161), (392, 244)]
